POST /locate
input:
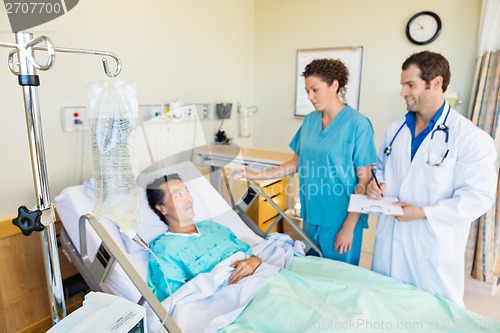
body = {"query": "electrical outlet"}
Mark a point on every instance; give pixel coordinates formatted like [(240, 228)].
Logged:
[(184, 113), (74, 118), (204, 110)]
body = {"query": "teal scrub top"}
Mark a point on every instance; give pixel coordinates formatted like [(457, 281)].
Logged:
[(184, 256), (328, 160)]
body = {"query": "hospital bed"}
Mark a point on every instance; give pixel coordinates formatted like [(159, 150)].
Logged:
[(314, 294)]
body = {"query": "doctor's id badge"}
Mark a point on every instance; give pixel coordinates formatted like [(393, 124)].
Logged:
[(24, 14)]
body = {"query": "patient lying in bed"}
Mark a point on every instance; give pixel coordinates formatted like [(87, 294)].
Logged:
[(189, 249)]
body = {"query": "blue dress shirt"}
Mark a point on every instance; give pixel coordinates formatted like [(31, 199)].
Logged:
[(411, 122)]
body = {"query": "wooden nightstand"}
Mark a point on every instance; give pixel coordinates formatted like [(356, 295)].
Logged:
[(24, 303), (261, 210)]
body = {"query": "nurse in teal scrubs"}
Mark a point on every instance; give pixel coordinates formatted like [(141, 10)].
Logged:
[(334, 153)]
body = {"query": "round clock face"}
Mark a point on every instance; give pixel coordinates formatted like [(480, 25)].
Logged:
[(423, 28)]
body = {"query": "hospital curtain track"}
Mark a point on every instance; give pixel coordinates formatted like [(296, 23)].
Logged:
[(483, 248)]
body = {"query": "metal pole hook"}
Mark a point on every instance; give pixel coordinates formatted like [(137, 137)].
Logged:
[(106, 67), (52, 50), (24, 50)]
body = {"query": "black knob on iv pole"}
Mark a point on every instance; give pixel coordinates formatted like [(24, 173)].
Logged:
[(28, 221)]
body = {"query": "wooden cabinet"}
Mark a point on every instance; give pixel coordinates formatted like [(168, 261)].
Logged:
[(24, 301), (261, 211), (23, 286)]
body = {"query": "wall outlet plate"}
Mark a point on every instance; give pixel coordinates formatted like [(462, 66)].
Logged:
[(205, 110)]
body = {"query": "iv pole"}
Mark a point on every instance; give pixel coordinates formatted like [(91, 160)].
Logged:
[(43, 218)]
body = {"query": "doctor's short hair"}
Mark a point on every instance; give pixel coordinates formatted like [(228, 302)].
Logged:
[(328, 70), (431, 65), (156, 194)]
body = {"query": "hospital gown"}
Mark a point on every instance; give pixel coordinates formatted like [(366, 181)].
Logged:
[(328, 159), (183, 256)]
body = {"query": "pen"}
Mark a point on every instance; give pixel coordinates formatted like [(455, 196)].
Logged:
[(376, 182), (444, 156)]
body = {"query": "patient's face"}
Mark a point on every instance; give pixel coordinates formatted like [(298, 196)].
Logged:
[(178, 203)]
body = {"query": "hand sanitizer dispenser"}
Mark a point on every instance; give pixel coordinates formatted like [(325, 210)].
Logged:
[(245, 115)]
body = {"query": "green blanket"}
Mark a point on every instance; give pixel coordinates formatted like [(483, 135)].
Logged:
[(318, 295)]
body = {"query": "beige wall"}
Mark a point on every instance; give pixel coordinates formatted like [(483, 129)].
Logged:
[(284, 26), (192, 50)]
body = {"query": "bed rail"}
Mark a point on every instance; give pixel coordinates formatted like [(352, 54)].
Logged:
[(309, 243), (70, 250)]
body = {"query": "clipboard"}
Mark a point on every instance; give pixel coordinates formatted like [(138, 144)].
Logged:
[(360, 203)]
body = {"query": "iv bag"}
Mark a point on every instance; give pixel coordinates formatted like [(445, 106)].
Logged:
[(113, 111)]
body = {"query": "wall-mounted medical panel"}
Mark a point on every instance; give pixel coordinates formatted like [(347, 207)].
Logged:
[(74, 118), (151, 111)]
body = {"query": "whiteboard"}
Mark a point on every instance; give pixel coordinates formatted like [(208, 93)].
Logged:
[(351, 56)]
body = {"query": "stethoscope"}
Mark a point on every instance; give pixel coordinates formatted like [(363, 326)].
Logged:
[(441, 127)]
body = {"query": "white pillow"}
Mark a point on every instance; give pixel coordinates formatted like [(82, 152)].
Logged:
[(88, 185), (151, 226)]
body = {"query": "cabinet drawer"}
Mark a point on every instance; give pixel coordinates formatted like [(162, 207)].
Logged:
[(261, 211), (274, 189), (266, 210), (265, 225)]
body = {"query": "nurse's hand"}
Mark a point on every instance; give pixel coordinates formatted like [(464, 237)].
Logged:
[(411, 212), (243, 173), (373, 191), (244, 268), (343, 240)]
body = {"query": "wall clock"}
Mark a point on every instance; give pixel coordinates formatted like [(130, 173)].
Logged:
[(423, 28)]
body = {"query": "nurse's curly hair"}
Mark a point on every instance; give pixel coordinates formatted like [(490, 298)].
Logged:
[(329, 70), (431, 65), (156, 194)]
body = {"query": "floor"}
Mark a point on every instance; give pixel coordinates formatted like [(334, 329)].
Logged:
[(478, 298), (478, 295)]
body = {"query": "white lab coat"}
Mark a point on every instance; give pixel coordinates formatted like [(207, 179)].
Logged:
[(429, 253)]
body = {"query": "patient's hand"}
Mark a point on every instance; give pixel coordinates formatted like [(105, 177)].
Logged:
[(244, 268)]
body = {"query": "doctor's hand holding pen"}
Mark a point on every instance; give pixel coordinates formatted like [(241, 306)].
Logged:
[(375, 190)]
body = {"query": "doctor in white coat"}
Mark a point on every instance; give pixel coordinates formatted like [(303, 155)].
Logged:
[(442, 169)]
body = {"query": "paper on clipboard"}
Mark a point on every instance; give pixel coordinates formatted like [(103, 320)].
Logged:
[(361, 204)]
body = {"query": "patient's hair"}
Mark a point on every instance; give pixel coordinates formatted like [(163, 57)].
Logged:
[(431, 65), (328, 70), (156, 194)]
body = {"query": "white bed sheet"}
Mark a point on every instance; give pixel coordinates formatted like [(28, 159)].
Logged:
[(74, 202)]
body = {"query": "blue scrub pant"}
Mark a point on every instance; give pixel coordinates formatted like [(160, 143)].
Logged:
[(324, 237)]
